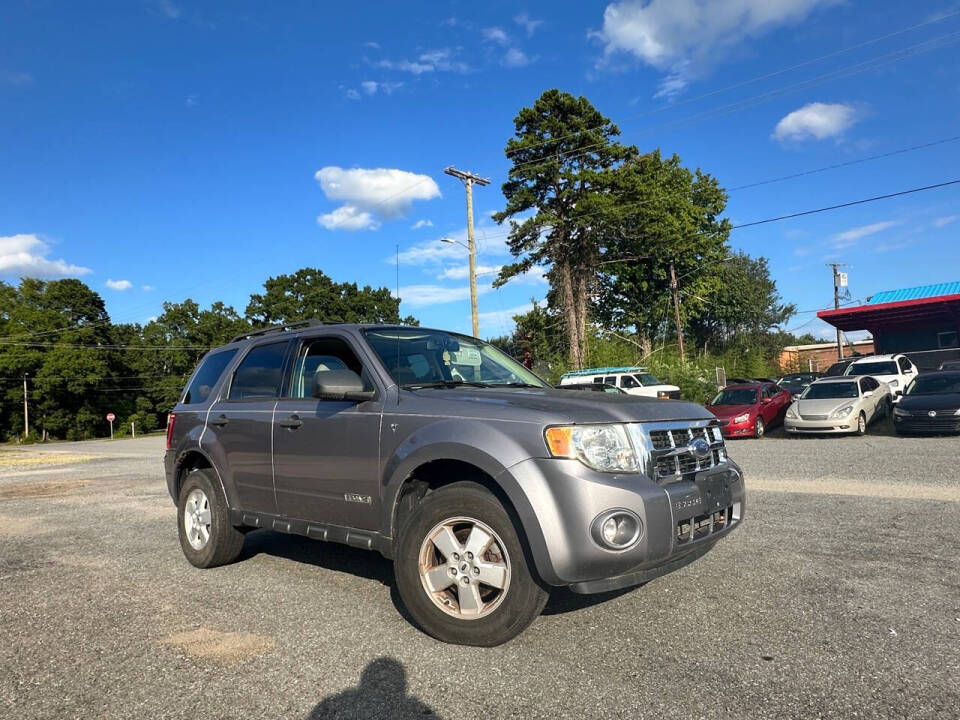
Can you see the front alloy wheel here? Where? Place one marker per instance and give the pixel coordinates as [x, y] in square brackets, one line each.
[758, 427]
[464, 568]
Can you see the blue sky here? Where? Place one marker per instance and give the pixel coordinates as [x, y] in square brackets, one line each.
[161, 149]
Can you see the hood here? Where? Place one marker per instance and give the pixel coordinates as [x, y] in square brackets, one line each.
[548, 405]
[823, 407]
[946, 401]
[729, 411]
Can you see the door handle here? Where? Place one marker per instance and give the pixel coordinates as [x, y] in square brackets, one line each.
[220, 421]
[292, 422]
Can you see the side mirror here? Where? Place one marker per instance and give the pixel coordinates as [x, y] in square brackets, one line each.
[765, 401]
[868, 393]
[340, 385]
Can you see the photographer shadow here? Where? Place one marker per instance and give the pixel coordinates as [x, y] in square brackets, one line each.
[381, 693]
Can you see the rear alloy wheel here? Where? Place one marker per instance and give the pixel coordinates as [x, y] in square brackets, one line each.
[462, 569]
[861, 423]
[758, 427]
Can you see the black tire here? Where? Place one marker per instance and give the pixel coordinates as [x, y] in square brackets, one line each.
[224, 541]
[523, 599]
[759, 428]
[861, 423]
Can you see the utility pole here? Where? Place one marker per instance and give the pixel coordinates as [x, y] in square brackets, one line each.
[468, 179]
[837, 276]
[26, 410]
[674, 288]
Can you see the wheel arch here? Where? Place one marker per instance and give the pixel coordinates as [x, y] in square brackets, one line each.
[195, 459]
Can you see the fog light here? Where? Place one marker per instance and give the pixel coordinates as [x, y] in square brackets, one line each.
[617, 529]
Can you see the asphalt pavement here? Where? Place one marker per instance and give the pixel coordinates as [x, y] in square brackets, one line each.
[838, 598]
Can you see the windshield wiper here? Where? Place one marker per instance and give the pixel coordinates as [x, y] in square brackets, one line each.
[515, 384]
[441, 384]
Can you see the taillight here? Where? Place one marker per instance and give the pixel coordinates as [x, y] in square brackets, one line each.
[171, 421]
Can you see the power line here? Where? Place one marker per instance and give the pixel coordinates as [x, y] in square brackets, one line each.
[836, 166]
[845, 205]
[758, 78]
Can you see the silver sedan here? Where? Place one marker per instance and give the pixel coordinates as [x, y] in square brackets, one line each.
[838, 405]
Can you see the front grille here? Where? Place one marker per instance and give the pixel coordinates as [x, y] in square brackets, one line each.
[670, 452]
[813, 417]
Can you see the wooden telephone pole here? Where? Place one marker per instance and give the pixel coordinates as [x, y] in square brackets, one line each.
[674, 289]
[836, 300]
[26, 410]
[468, 179]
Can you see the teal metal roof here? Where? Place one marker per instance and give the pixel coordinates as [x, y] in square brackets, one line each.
[604, 371]
[915, 293]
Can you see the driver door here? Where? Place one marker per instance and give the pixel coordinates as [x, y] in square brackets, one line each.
[327, 452]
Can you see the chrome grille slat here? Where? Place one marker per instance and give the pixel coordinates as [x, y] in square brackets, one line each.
[664, 444]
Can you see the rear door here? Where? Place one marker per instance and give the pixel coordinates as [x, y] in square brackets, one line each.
[241, 423]
[327, 452]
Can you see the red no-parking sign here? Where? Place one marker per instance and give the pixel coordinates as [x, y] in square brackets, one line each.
[111, 417]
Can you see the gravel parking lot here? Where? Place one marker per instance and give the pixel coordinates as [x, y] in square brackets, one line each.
[840, 597]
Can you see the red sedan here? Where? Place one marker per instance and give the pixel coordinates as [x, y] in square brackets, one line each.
[748, 410]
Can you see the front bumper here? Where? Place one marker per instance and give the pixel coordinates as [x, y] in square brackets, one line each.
[817, 427]
[733, 430]
[927, 425]
[562, 498]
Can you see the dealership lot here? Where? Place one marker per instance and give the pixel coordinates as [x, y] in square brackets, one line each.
[839, 597]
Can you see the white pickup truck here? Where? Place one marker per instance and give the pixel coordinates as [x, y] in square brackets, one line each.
[632, 380]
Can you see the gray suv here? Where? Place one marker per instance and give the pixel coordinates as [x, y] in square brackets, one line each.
[486, 486]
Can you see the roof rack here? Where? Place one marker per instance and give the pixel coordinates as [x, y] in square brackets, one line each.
[278, 329]
[605, 371]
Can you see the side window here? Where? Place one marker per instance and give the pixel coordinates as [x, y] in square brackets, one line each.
[207, 376]
[864, 385]
[598, 381]
[319, 355]
[610, 380]
[628, 381]
[904, 364]
[260, 373]
[769, 391]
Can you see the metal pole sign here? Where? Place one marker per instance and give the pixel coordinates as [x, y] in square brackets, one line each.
[110, 418]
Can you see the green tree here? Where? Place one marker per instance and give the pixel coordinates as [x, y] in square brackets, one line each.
[309, 293]
[663, 214]
[562, 153]
[742, 306]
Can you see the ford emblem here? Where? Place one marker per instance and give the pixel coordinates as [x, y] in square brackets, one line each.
[932, 413]
[700, 448]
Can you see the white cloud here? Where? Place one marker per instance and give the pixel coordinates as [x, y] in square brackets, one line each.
[495, 34]
[369, 87]
[462, 272]
[435, 252]
[193, 100]
[416, 296]
[944, 221]
[817, 121]
[425, 222]
[514, 58]
[372, 44]
[148, 288]
[120, 285]
[497, 322]
[371, 195]
[441, 60]
[25, 255]
[352, 94]
[527, 23]
[851, 236]
[168, 8]
[9, 77]
[686, 37]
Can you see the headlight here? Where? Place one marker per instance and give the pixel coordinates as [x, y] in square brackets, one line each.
[602, 447]
[842, 412]
[741, 418]
[663, 394]
[904, 413]
[792, 412]
[893, 383]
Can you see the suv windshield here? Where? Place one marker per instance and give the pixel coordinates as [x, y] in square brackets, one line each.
[935, 384]
[830, 391]
[736, 396]
[646, 379]
[434, 358]
[887, 367]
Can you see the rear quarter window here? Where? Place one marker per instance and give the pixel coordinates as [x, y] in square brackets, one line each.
[207, 376]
